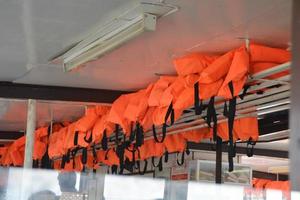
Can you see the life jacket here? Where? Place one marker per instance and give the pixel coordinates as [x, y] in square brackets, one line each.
[164, 112]
[56, 164]
[57, 142]
[175, 143]
[102, 127]
[278, 185]
[244, 129]
[16, 152]
[85, 123]
[150, 148]
[197, 135]
[138, 105]
[116, 114]
[40, 143]
[191, 66]
[147, 121]
[261, 53]
[237, 74]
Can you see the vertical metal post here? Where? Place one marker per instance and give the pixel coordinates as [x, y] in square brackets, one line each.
[30, 129]
[294, 147]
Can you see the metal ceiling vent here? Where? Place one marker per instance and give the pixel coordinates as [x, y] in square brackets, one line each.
[115, 33]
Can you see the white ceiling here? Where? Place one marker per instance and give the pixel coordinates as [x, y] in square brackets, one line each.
[32, 31]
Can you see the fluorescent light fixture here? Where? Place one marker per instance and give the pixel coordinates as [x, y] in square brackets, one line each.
[108, 38]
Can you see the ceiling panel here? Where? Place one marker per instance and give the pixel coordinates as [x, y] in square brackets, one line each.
[211, 26]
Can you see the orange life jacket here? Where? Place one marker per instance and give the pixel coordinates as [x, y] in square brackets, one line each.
[197, 135]
[244, 129]
[150, 148]
[260, 53]
[116, 114]
[87, 121]
[175, 143]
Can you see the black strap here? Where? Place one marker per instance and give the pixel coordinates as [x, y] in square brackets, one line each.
[159, 165]
[68, 156]
[246, 88]
[128, 165]
[84, 156]
[139, 135]
[95, 158]
[35, 163]
[145, 167]
[90, 139]
[250, 150]
[169, 114]
[198, 107]
[231, 116]
[73, 155]
[46, 162]
[155, 134]
[212, 116]
[104, 141]
[166, 156]
[225, 111]
[63, 162]
[132, 133]
[76, 138]
[218, 177]
[114, 169]
[117, 131]
[120, 153]
[182, 159]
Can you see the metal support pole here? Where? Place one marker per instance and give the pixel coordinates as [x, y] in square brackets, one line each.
[295, 100]
[30, 129]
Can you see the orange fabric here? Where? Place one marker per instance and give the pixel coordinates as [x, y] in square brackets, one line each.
[243, 129]
[278, 185]
[175, 143]
[56, 143]
[158, 89]
[193, 63]
[138, 104]
[40, 143]
[197, 135]
[260, 183]
[151, 149]
[116, 114]
[39, 150]
[102, 110]
[237, 73]
[260, 53]
[206, 91]
[100, 126]
[69, 137]
[190, 66]
[217, 70]
[87, 121]
[57, 164]
[147, 121]
[90, 162]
